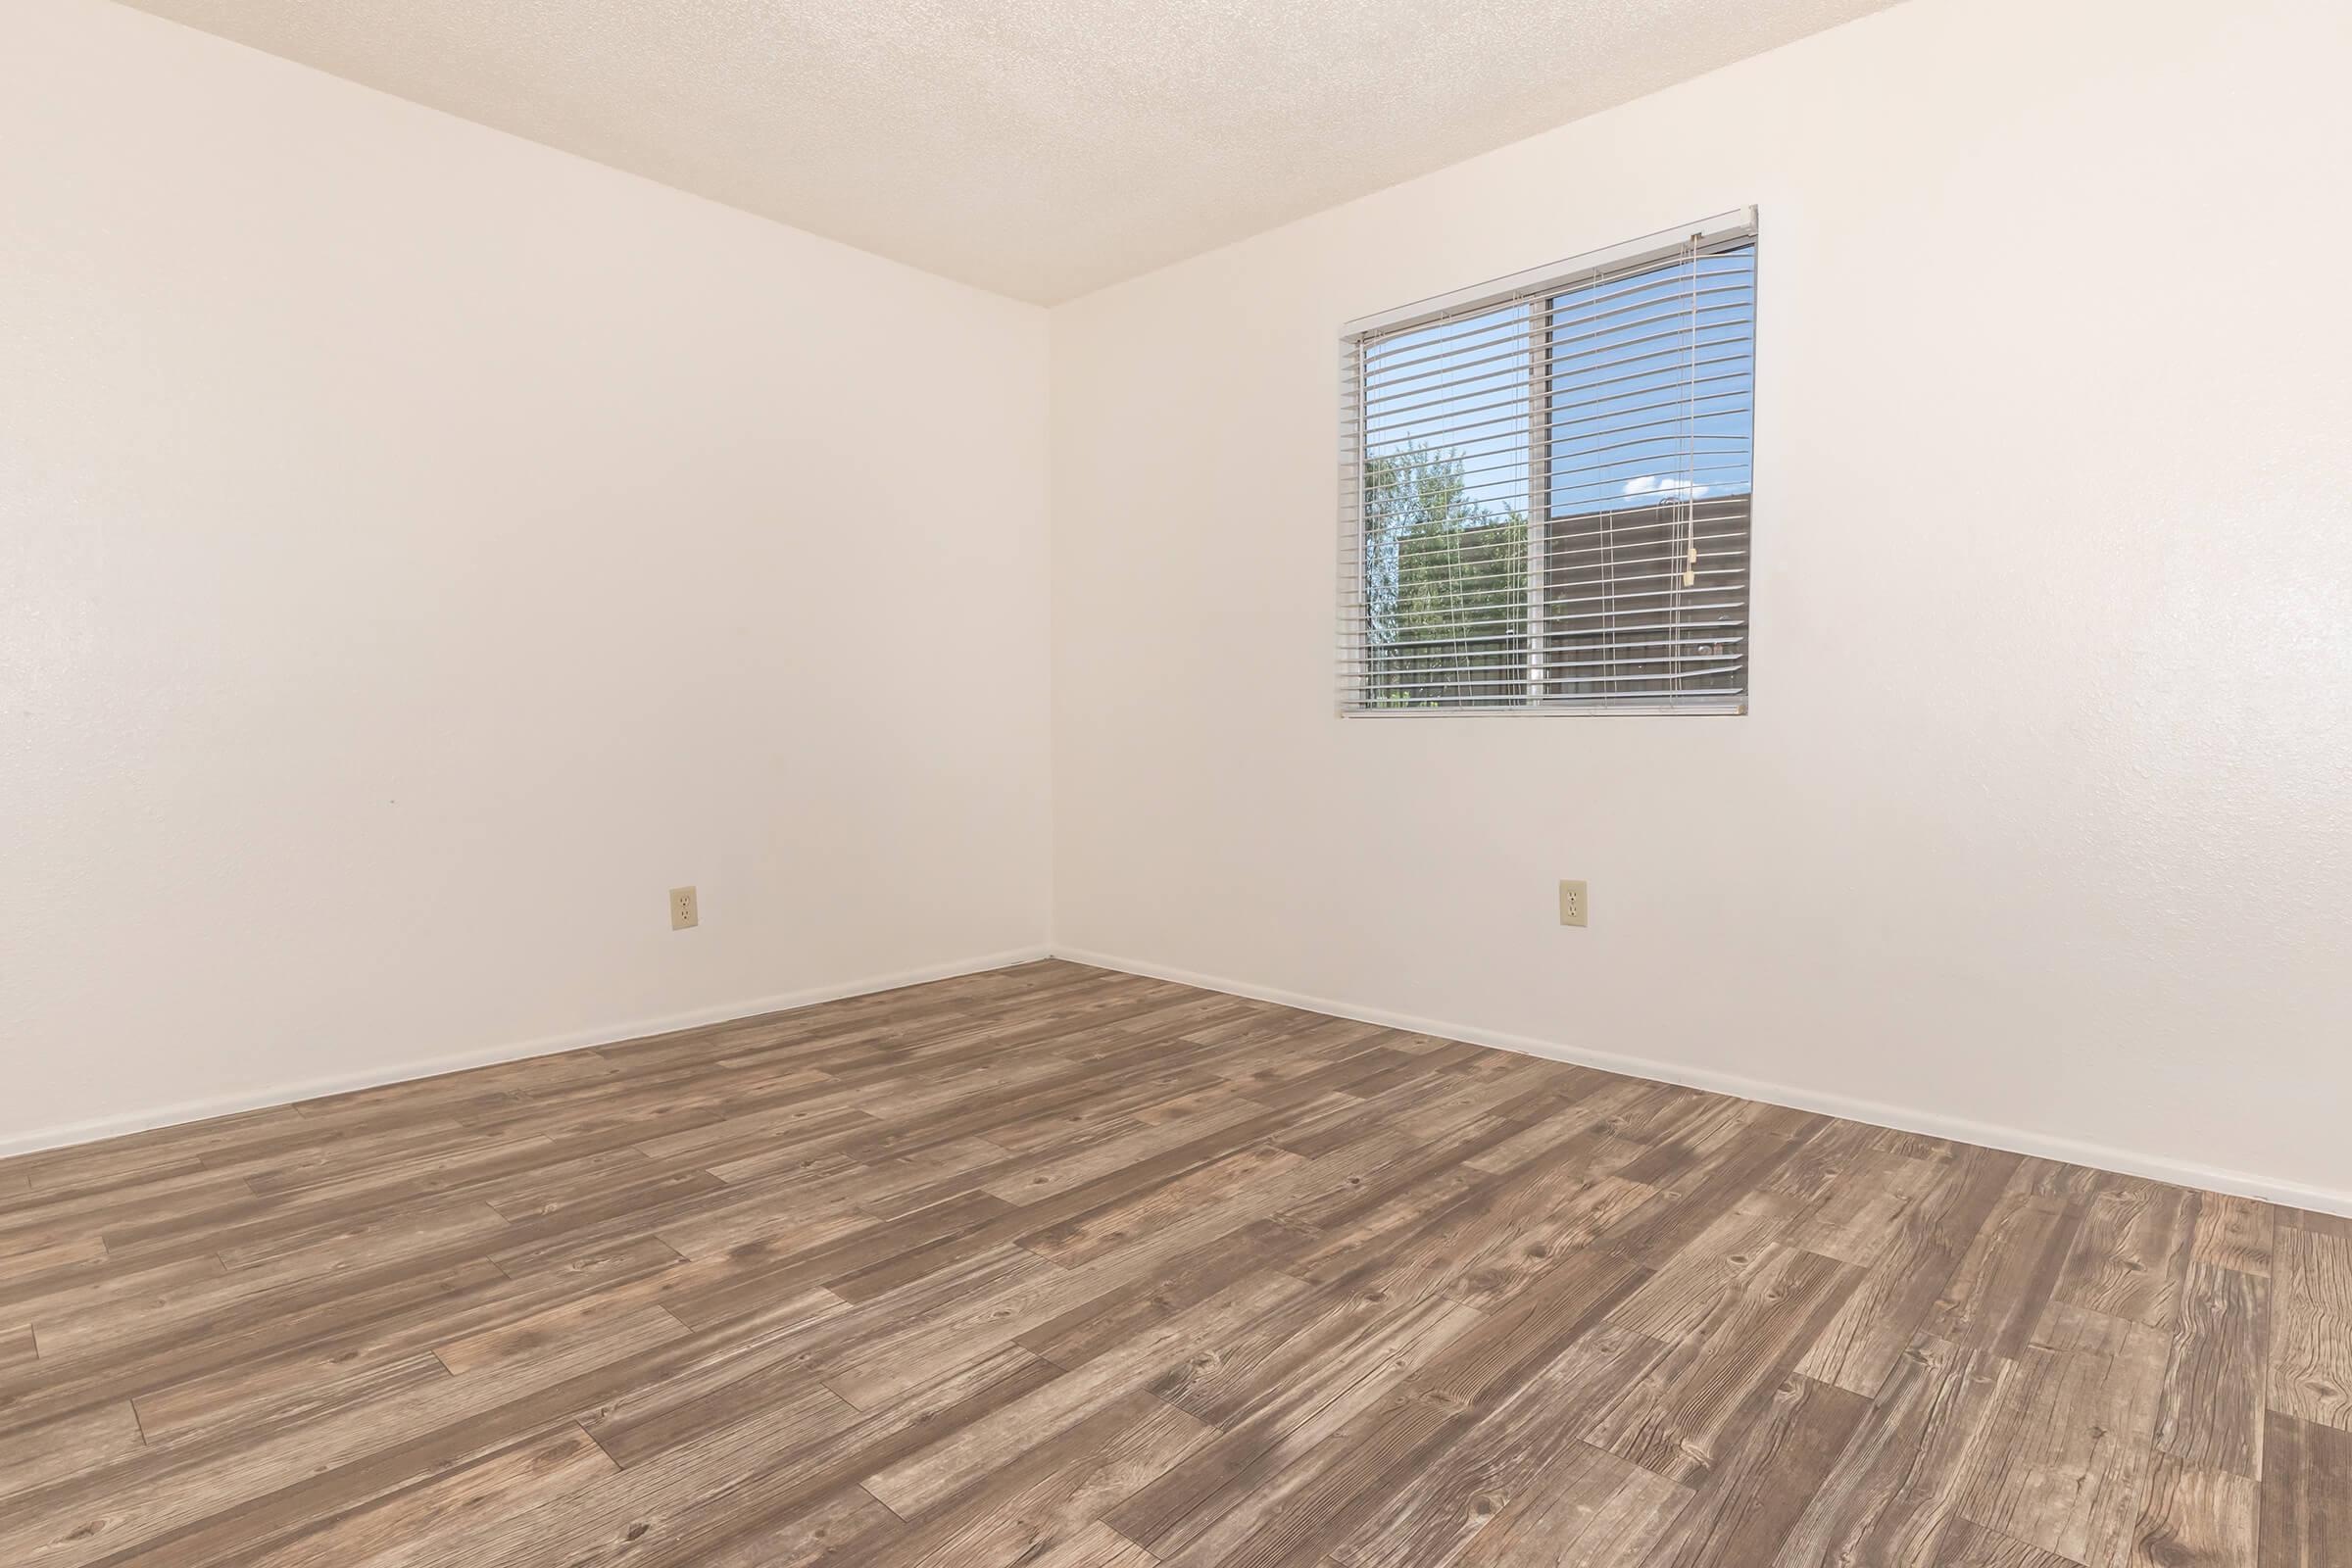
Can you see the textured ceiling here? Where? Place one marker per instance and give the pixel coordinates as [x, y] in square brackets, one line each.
[1038, 147]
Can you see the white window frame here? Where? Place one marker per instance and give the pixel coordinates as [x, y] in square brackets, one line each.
[1532, 284]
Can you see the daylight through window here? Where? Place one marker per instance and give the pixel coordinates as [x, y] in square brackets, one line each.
[1546, 486]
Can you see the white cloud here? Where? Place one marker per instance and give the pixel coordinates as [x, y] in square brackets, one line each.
[1662, 484]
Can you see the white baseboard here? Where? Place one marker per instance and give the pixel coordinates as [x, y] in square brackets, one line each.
[2100, 1157]
[188, 1110]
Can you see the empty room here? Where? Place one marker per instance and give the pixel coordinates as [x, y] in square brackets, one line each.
[1109, 783]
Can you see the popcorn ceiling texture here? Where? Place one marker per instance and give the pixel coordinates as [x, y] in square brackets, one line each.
[1041, 148]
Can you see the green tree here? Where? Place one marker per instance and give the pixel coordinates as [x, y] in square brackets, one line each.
[1445, 583]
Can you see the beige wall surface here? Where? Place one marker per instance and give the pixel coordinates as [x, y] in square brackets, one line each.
[420, 550]
[2040, 829]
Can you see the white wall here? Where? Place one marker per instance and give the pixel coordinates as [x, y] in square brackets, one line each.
[419, 549]
[2041, 820]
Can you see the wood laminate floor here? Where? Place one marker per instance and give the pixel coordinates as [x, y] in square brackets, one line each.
[1070, 1269]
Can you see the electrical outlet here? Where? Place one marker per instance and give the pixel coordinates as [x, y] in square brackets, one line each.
[1573, 904]
[684, 909]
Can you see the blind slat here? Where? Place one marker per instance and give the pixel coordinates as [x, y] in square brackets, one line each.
[1612, 589]
[1389, 377]
[1720, 546]
[1619, 678]
[1678, 382]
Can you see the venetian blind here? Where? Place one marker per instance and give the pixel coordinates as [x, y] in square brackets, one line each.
[1547, 486]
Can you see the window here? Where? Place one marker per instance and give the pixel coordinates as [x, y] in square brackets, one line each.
[1546, 487]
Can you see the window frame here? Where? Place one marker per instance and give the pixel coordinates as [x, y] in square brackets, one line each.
[1533, 285]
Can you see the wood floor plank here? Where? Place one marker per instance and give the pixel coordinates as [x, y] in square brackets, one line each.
[2069, 1448]
[1692, 1412]
[214, 1299]
[32, 1260]
[2210, 1415]
[918, 1484]
[2306, 1519]
[518, 1478]
[2310, 1327]
[1097, 1545]
[116, 1286]
[1862, 1207]
[1712, 1272]
[1109, 1319]
[773, 1463]
[2234, 1233]
[1971, 1546]
[2195, 1518]
[1893, 1497]
[1145, 1171]
[283, 1392]
[50, 1216]
[2009, 1273]
[1749, 1504]
[2132, 1250]
[1702, 1188]
[1278, 1402]
[34, 1457]
[1305, 1509]
[224, 1497]
[743, 1483]
[374, 1316]
[1531, 1329]
[1107, 1227]
[1589, 1510]
[1906, 1282]
[1062, 1268]
[1528, 1444]
[1043, 1496]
